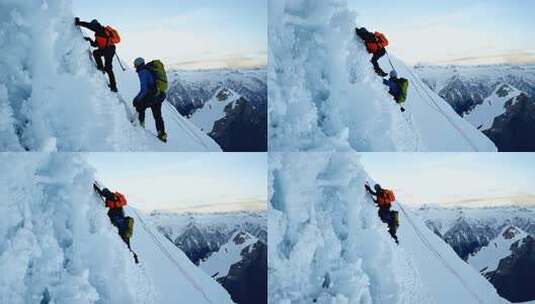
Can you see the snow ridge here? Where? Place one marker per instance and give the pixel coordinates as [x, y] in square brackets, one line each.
[324, 94]
[53, 99]
[327, 244]
[487, 258]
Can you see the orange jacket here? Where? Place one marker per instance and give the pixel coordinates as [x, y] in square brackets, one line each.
[380, 43]
[111, 38]
[118, 202]
[385, 198]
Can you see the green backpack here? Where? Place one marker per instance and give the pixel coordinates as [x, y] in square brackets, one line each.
[129, 229]
[157, 69]
[395, 218]
[404, 85]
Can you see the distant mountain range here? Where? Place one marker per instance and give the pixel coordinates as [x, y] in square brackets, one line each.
[497, 241]
[228, 105]
[231, 247]
[497, 99]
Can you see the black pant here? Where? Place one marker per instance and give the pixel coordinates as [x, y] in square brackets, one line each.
[376, 66]
[155, 104]
[107, 53]
[386, 217]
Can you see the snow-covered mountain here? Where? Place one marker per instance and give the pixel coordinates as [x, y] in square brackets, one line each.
[482, 115]
[218, 264]
[514, 275]
[508, 262]
[497, 99]
[52, 98]
[324, 94]
[464, 87]
[190, 90]
[230, 247]
[469, 229]
[486, 259]
[57, 244]
[327, 244]
[232, 122]
[201, 234]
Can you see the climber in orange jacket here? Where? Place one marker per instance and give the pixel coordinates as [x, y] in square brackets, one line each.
[375, 44]
[384, 199]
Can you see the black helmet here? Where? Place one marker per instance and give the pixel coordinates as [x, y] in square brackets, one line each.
[107, 193]
[377, 187]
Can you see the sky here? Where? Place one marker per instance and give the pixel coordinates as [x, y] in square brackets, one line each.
[453, 31]
[187, 34]
[205, 182]
[462, 179]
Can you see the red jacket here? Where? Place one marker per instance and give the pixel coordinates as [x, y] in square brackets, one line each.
[380, 43]
[118, 202]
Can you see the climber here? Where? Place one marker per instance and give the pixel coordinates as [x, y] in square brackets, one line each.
[105, 40]
[397, 87]
[384, 199]
[153, 84]
[375, 44]
[115, 201]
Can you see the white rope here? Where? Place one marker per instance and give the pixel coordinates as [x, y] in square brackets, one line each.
[438, 109]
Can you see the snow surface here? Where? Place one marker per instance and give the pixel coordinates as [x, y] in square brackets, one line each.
[57, 244]
[213, 110]
[218, 264]
[324, 94]
[327, 244]
[487, 258]
[53, 99]
[483, 115]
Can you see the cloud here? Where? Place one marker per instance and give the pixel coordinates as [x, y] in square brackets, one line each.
[513, 57]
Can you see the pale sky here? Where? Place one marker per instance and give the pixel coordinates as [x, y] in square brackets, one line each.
[468, 179]
[186, 181]
[453, 31]
[187, 34]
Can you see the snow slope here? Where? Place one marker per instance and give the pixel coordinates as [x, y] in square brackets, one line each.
[53, 99]
[483, 115]
[487, 258]
[214, 109]
[57, 244]
[218, 264]
[327, 244]
[176, 278]
[324, 94]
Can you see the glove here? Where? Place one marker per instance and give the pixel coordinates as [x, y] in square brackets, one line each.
[402, 109]
[76, 21]
[367, 187]
[87, 39]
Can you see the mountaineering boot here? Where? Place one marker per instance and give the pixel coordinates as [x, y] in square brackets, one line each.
[113, 88]
[142, 123]
[162, 136]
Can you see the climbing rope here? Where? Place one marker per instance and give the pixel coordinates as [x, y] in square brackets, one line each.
[427, 244]
[171, 258]
[435, 106]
